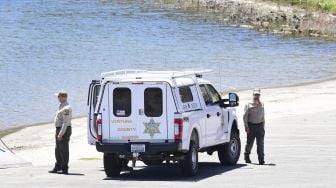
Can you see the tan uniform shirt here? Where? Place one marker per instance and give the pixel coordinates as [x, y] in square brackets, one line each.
[63, 117]
[254, 113]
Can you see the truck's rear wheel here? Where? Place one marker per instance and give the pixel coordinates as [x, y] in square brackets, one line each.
[190, 164]
[229, 153]
[112, 165]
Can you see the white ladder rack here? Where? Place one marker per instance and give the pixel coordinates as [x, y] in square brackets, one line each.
[122, 72]
[169, 74]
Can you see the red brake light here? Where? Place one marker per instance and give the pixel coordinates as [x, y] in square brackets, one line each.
[99, 128]
[178, 122]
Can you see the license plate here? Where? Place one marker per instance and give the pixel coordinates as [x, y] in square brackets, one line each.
[138, 148]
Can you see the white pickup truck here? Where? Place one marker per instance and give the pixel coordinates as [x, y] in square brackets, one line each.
[161, 117]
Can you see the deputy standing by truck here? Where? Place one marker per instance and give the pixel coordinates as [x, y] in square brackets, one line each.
[254, 121]
[63, 133]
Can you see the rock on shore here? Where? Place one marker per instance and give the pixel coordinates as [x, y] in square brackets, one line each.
[273, 17]
[268, 16]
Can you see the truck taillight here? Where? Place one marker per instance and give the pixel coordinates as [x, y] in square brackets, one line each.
[99, 128]
[178, 128]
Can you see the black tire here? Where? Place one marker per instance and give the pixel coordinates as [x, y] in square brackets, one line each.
[112, 165]
[152, 162]
[229, 153]
[189, 165]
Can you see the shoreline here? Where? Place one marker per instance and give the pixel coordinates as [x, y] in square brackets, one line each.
[14, 129]
[276, 18]
[267, 16]
[292, 107]
[11, 130]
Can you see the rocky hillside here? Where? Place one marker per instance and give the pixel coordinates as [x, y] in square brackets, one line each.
[271, 17]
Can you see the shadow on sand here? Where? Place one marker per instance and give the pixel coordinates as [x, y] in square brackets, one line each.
[266, 164]
[74, 174]
[173, 173]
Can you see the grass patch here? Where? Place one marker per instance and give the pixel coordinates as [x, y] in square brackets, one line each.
[321, 5]
[89, 158]
[9, 131]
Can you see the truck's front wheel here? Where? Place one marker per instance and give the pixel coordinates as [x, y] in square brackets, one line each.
[229, 153]
[112, 165]
[190, 164]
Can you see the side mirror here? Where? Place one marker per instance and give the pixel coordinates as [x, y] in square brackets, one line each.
[233, 100]
[223, 103]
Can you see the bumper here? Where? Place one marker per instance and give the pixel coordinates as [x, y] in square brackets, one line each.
[151, 148]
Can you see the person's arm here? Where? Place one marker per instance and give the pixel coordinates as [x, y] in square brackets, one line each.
[263, 114]
[66, 121]
[245, 117]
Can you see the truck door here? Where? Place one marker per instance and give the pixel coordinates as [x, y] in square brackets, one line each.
[152, 113]
[92, 99]
[224, 125]
[138, 112]
[213, 114]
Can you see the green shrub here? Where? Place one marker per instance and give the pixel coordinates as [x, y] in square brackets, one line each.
[323, 5]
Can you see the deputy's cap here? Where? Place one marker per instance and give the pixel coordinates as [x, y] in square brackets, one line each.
[256, 91]
[61, 93]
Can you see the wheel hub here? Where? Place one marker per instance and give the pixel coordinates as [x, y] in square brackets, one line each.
[233, 147]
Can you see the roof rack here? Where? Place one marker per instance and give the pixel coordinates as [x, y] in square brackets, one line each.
[193, 74]
[121, 72]
[197, 73]
[173, 74]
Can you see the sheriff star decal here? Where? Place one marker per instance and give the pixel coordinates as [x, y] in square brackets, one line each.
[152, 127]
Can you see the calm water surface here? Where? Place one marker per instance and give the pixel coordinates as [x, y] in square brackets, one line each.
[50, 45]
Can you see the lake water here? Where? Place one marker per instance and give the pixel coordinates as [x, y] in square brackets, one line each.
[50, 45]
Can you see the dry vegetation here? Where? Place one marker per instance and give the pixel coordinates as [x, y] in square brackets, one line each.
[322, 5]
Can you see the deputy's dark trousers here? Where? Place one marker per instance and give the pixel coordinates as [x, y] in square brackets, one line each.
[62, 149]
[257, 131]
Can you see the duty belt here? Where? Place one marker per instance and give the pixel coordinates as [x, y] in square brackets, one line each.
[61, 127]
[256, 124]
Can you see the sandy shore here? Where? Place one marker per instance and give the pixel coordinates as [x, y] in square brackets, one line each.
[36, 143]
[300, 150]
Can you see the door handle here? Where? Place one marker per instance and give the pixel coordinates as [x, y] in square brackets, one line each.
[218, 113]
[208, 115]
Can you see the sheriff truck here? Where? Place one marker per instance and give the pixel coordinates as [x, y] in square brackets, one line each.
[161, 117]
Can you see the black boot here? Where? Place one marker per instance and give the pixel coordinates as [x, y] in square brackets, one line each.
[64, 171]
[261, 162]
[124, 166]
[247, 158]
[55, 170]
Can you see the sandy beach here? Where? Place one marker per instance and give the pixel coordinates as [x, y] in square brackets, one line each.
[300, 148]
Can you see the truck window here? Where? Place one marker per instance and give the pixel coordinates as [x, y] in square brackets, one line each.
[214, 96]
[185, 94]
[95, 95]
[153, 102]
[205, 95]
[122, 102]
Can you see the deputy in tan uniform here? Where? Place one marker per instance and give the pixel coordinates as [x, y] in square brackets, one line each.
[254, 121]
[63, 132]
